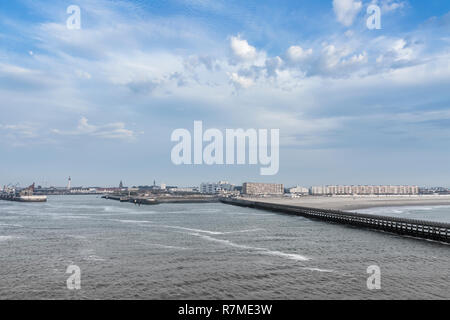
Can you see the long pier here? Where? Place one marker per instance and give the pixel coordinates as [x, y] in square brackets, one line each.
[415, 228]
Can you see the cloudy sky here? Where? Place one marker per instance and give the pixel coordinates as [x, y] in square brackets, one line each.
[353, 105]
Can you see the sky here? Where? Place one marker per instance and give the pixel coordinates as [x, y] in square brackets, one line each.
[353, 105]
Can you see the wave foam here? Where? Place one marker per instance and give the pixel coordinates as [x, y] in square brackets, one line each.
[8, 238]
[11, 225]
[215, 233]
[132, 221]
[195, 230]
[319, 270]
[290, 256]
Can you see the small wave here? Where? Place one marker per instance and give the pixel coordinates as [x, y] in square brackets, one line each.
[166, 246]
[132, 221]
[8, 238]
[90, 255]
[424, 208]
[319, 270]
[290, 256]
[243, 231]
[94, 258]
[195, 230]
[11, 225]
[249, 214]
[216, 233]
[75, 217]
[117, 209]
[77, 237]
[222, 241]
[207, 210]
[144, 213]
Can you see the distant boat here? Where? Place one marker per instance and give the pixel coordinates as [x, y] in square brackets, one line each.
[25, 195]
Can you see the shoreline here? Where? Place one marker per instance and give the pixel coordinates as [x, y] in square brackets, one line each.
[357, 203]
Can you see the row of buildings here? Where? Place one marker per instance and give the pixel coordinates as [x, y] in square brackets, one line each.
[250, 188]
[216, 188]
[364, 190]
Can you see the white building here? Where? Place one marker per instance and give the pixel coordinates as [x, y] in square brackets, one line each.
[299, 190]
[215, 188]
[250, 188]
[183, 189]
[225, 186]
[209, 188]
[364, 190]
[319, 190]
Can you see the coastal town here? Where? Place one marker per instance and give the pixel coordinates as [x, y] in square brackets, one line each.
[334, 204]
[329, 196]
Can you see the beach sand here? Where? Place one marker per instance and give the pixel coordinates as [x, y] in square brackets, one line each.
[348, 203]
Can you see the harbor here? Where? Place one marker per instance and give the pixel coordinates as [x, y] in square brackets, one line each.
[25, 195]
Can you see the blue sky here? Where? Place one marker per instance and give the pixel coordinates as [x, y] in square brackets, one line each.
[353, 105]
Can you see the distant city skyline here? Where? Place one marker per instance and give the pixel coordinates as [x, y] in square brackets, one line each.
[122, 184]
[354, 105]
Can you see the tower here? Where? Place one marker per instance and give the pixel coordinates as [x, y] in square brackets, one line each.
[69, 184]
[121, 185]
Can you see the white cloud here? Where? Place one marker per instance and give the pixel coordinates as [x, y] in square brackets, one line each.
[23, 134]
[402, 50]
[391, 5]
[109, 131]
[355, 59]
[240, 81]
[83, 74]
[273, 65]
[346, 10]
[22, 130]
[195, 61]
[242, 50]
[245, 54]
[395, 53]
[188, 76]
[297, 53]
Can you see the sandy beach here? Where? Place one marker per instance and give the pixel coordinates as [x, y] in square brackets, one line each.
[348, 203]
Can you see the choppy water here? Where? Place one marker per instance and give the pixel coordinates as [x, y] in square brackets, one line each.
[207, 251]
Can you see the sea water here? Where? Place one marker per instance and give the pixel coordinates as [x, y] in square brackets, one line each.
[209, 251]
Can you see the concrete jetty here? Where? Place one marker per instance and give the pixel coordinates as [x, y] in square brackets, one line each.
[408, 227]
[142, 200]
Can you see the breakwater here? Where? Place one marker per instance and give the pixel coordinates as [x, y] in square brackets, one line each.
[160, 200]
[409, 227]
